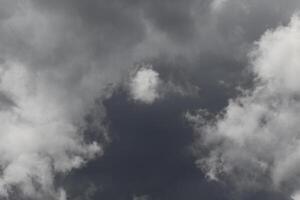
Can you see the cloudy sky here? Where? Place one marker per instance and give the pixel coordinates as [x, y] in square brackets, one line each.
[150, 99]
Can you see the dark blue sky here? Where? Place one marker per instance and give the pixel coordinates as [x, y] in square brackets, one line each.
[150, 152]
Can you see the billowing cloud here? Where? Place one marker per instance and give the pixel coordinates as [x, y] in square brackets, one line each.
[255, 142]
[38, 137]
[49, 83]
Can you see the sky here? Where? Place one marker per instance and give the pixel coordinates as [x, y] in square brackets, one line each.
[149, 100]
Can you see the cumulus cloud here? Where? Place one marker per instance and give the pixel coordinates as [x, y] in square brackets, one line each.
[48, 85]
[38, 136]
[254, 142]
[144, 85]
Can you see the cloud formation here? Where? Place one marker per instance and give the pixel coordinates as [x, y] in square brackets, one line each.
[38, 136]
[49, 83]
[254, 142]
[58, 56]
[144, 85]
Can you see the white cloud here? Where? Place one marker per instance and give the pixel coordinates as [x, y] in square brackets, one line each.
[144, 85]
[38, 136]
[296, 196]
[256, 140]
[44, 96]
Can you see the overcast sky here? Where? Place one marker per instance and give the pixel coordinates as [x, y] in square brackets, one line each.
[150, 99]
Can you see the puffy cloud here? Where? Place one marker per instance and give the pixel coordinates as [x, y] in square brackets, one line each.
[38, 136]
[255, 142]
[47, 88]
[144, 85]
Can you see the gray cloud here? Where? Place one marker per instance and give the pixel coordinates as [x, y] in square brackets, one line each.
[57, 57]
